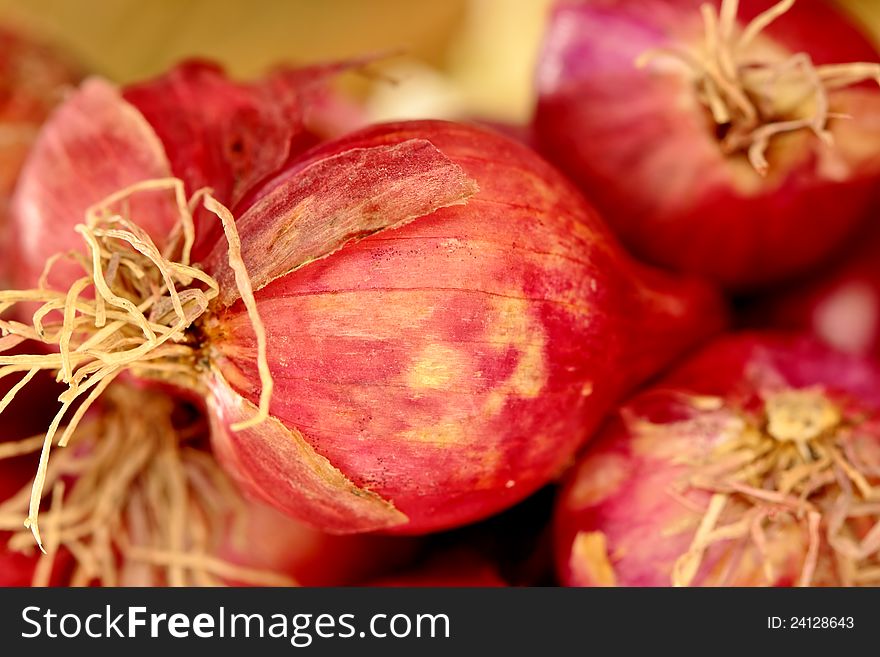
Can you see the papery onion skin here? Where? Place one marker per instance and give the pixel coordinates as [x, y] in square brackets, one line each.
[33, 79]
[193, 123]
[617, 521]
[451, 366]
[228, 135]
[644, 148]
[97, 132]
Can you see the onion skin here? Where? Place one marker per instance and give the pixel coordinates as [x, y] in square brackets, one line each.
[94, 131]
[228, 135]
[643, 147]
[456, 344]
[33, 79]
[451, 366]
[192, 123]
[616, 522]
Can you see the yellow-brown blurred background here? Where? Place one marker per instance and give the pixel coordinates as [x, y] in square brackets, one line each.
[465, 56]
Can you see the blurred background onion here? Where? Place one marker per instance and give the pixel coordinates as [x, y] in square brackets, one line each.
[462, 57]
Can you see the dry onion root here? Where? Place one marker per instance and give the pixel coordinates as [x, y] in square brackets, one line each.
[143, 504]
[768, 450]
[801, 466]
[138, 490]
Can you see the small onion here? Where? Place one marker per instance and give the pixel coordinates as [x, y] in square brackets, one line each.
[709, 145]
[756, 462]
[449, 367]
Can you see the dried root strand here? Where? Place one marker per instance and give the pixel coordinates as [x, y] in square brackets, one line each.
[802, 466]
[686, 567]
[243, 282]
[130, 311]
[744, 94]
[140, 507]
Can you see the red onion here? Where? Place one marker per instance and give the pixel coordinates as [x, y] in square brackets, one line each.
[455, 345]
[839, 304]
[713, 154]
[33, 79]
[443, 317]
[755, 462]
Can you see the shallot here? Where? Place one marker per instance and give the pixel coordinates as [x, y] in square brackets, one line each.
[727, 138]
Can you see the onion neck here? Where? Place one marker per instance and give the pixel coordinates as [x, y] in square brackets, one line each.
[800, 463]
[751, 98]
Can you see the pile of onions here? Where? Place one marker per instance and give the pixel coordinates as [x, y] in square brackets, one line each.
[756, 462]
[709, 134]
[405, 329]
[33, 79]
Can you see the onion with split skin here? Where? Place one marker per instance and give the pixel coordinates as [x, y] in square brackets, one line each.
[448, 367]
[406, 329]
[710, 134]
[754, 463]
